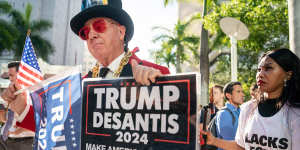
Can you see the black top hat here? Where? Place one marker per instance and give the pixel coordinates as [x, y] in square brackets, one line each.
[103, 8]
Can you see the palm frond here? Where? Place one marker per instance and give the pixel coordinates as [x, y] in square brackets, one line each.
[161, 28]
[192, 39]
[17, 18]
[161, 37]
[5, 7]
[27, 13]
[8, 34]
[42, 47]
[40, 26]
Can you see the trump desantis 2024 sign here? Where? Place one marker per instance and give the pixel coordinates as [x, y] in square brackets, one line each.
[120, 114]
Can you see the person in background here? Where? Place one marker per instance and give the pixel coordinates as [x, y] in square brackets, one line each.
[216, 98]
[254, 92]
[18, 138]
[107, 30]
[273, 120]
[227, 118]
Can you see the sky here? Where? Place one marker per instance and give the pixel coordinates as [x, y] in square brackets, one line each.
[147, 14]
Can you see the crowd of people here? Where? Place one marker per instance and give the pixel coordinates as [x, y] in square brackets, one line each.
[270, 120]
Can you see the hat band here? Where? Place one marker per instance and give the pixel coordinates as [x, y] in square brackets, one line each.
[90, 3]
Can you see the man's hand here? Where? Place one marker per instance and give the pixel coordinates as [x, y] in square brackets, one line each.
[18, 130]
[210, 138]
[2, 116]
[142, 74]
[19, 104]
[8, 94]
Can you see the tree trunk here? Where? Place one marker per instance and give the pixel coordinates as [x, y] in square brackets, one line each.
[294, 25]
[204, 64]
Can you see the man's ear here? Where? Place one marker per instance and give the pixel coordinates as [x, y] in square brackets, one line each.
[122, 32]
[228, 95]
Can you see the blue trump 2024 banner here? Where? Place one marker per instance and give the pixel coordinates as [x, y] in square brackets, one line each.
[57, 114]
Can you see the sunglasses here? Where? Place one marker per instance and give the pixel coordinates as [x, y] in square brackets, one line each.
[99, 25]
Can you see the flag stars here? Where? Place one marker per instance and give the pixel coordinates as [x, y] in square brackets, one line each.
[73, 132]
[74, 144]
[29, 57]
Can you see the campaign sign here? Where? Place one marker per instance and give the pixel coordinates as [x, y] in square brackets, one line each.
[57, 114]
[123, 115]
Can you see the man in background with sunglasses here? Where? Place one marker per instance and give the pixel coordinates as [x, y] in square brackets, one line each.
[107, 29]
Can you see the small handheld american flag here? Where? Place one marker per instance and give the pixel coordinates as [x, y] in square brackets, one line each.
[29, 71]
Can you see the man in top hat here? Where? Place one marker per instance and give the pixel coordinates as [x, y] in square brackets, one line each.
[107, 29]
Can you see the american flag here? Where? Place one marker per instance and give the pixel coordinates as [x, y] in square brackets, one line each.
[29, 71]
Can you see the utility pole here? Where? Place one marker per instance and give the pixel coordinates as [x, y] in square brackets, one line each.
[294, 25]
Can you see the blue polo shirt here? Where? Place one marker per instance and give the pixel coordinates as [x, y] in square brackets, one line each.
[225, 129]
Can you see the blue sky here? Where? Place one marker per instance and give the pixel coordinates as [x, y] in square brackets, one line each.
[146, 14]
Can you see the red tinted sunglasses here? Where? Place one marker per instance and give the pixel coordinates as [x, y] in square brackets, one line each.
[98, 25]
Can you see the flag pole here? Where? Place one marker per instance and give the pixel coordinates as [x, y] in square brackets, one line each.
[28, 32]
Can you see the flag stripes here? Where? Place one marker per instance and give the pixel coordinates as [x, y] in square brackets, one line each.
[29, 72]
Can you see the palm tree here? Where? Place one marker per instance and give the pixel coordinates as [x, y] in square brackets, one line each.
[23, 22]
[206, 45]
[164, 55]
[7, 31]
[174, 43]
